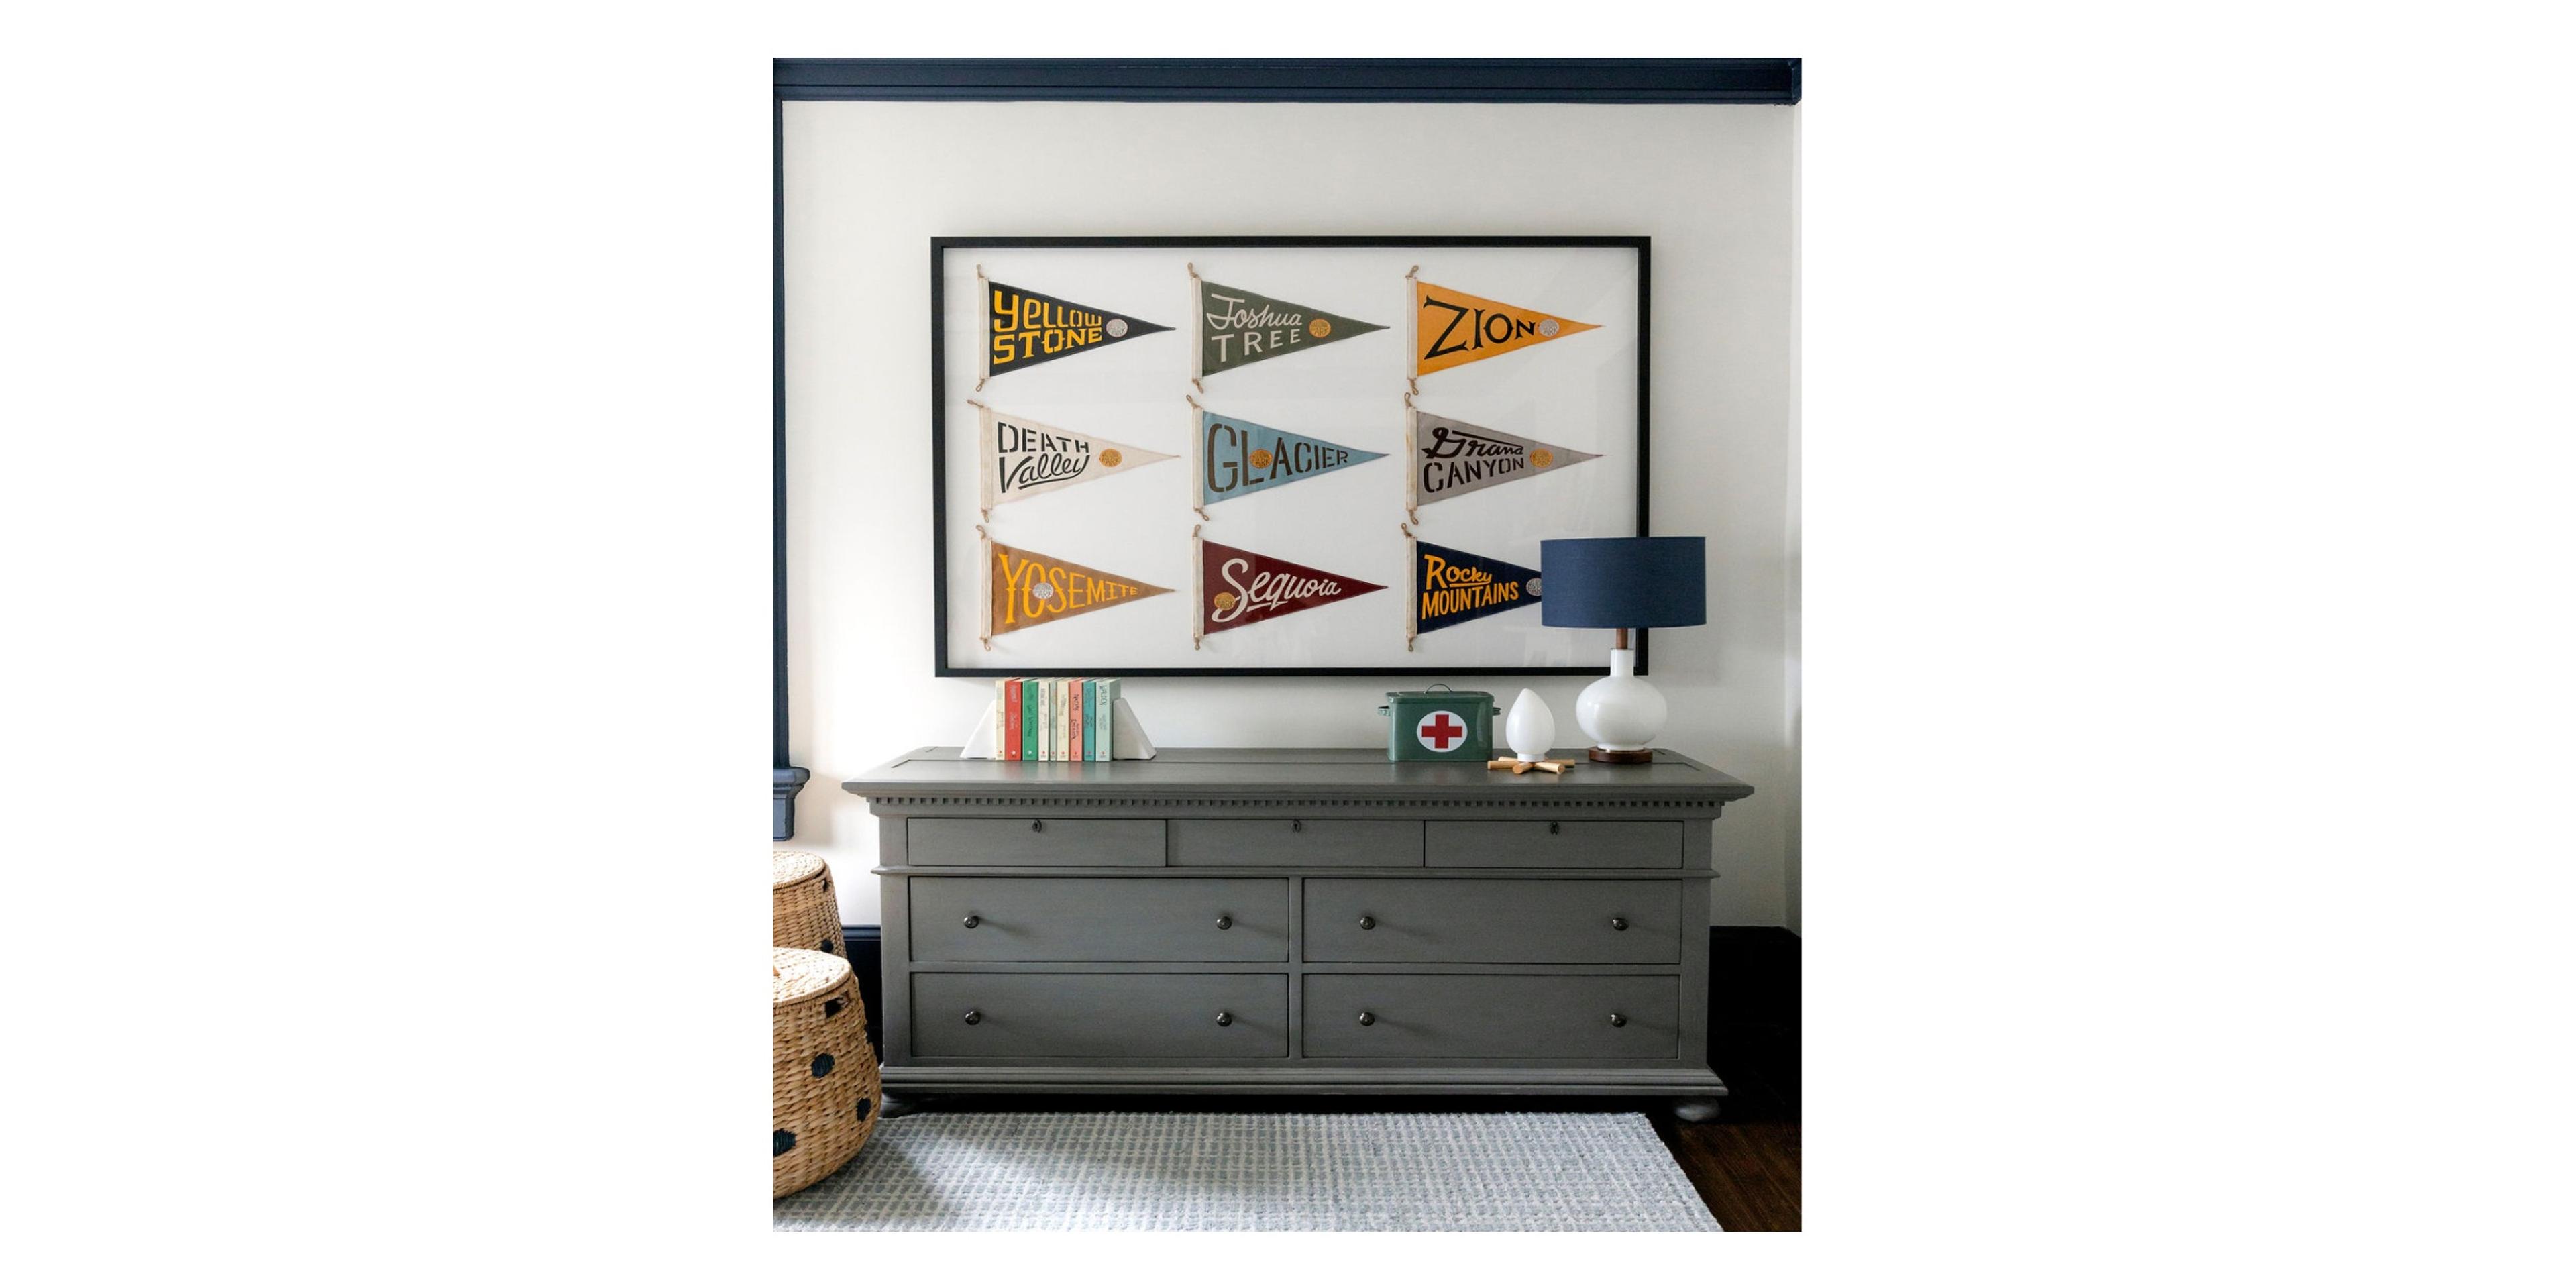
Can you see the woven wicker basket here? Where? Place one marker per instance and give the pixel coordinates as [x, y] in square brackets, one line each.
[822, 1077]
[802, 911]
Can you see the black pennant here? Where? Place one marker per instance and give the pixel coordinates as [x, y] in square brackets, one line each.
[1028, 328]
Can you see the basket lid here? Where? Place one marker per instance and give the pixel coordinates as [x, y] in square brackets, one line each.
[787, 867]
[800, 973]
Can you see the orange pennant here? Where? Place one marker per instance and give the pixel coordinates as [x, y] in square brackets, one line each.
[1453, 328]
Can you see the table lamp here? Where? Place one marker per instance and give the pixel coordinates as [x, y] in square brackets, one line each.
[1623, 583]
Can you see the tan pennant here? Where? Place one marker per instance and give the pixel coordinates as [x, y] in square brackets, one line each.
[1446, 457]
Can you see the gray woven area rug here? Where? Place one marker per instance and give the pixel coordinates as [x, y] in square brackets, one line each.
[1187, 1171]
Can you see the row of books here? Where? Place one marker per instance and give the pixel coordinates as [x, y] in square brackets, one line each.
[1053, 719]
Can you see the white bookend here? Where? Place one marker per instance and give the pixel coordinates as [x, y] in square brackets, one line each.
[1127, 740]
[979, 744]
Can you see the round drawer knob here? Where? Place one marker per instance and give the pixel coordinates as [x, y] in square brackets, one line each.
[1298, 826]
[1618, 1021]
[1224, 1018]
[974, 1017]
[1551, 829]
[1037, 825]
[971, 921]
[1367, 1019]
[1618, 923]
[1368, 923]
[1225, 923]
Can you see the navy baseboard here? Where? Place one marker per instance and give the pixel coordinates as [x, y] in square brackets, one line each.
[1752, 1005]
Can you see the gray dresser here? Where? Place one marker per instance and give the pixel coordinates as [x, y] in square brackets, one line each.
[1218, 920]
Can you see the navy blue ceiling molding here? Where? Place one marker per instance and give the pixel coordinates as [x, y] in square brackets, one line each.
[1180, 80]
[1297, 80]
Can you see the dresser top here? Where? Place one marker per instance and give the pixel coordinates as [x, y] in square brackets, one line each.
[1292, 773]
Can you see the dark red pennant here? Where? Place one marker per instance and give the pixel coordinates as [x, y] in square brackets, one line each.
[1241, 588]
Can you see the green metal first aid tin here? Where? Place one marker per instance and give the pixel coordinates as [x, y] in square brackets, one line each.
[1439, 724]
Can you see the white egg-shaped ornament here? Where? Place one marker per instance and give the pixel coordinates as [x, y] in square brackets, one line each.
[1530, 729]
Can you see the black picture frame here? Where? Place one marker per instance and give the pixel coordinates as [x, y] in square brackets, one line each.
[1778, 81]
[943, 667]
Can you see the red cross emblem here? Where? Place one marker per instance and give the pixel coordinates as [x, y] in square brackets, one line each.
[1440, 731]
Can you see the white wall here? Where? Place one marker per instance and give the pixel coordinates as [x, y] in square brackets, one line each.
[868, 186]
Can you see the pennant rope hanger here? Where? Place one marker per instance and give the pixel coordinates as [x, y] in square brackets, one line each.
[988, 586]
[1412, 472]
[984, 484]
[1198, 591]
[983, 293]
[1198, 350]
[1198, 449]
[1413, 601]
[1411, 386]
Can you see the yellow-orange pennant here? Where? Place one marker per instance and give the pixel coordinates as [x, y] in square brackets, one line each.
[1027, 588]
[1453, 328]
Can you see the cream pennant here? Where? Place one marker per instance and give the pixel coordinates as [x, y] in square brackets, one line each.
[1022, 458]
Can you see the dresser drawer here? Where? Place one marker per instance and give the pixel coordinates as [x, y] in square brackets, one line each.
[1554, 845]
[1035, 842]
[1284, 842]
[1529, 1016]
[1421, 919]
[1225, 1016]
[1099, 919]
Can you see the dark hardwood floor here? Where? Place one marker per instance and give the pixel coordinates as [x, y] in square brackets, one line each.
[1744, 1164]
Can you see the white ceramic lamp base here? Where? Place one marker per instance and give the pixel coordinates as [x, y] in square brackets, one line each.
[1621, 713]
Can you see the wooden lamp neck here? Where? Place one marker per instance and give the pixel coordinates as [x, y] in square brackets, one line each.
[1619, 637]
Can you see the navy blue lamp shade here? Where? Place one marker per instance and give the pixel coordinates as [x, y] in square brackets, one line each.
[1624, 581]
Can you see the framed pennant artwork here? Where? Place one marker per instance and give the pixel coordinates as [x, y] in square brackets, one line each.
[1277, 455]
